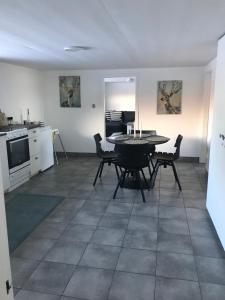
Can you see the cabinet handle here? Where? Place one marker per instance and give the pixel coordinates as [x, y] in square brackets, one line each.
[36, 157]
[35, 140]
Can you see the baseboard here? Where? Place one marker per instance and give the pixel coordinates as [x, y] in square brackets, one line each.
[87, 154]
[76, 154]
[189, 159]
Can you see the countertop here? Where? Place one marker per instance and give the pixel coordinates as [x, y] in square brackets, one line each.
[17, 126]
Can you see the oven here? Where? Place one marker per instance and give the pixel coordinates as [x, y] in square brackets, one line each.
[18, 153]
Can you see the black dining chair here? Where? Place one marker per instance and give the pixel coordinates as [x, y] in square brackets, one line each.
[108, 157]
[167, 159]
[132, 159]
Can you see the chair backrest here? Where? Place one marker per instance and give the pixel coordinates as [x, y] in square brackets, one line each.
[98, 139]
[177, 146]
[133, 156]
[150, 132]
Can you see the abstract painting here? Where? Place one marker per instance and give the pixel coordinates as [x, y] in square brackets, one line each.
[169, 97]
[69, 90]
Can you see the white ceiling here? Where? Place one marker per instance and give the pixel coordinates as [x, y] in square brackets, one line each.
[123, 33]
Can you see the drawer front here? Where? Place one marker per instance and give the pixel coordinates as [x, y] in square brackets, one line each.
[33, 132]
[35, 164]
[34, 145]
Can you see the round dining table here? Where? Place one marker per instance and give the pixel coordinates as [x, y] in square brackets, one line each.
[130, 140]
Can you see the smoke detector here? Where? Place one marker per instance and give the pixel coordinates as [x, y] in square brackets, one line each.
[76, 48]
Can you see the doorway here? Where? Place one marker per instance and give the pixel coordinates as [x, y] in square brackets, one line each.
[120, 106]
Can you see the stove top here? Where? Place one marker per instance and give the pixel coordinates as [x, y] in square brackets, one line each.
[14, 133]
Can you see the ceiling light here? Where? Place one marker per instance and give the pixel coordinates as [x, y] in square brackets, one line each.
[76, 48]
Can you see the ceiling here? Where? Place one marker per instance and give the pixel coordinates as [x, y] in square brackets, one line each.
[122, 33]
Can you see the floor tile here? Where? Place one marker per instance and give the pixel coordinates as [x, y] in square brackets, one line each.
[166, 212]
[71, 204]
[100, 256]
[146, 210]
[202, 228]
[50, 278]
[79, 194]
[137, 261]
[49, 230]
[140, 240]
[69, 298]
[108, 236]
[114, 221]
[167, 193]
[34, 248]
[143, 223]
[211, 269]
[172, 289]
[168, 242]
[195, 203]
[89, 283]
[207, 246]
[96, 206]
[66, 252]
[28, 295]
[128, 286]
[174, 265]
[212, 291]
[171, 201]
[173, 226]
[87, 218]
[60, 216]
[21, 270]
[197, 214]
[78, 232]
[119, 208]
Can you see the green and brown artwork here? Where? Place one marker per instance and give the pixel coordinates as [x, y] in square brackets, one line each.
[69, 91]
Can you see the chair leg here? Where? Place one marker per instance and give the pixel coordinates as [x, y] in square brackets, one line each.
[126, 172]
[140, 184]
[99, 169]
[119, 184]
[176, 176]
[154, 175]
[145, 180]
[117, 172]
[100, 174]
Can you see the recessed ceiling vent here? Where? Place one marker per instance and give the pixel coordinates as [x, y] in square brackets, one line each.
[76, 48]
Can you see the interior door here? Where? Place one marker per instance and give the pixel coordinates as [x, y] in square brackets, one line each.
[216, 192]
[5, 271]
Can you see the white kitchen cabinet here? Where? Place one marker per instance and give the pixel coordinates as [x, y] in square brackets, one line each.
[41, 149]
[4, 163]
[34, 147]
[46, 148]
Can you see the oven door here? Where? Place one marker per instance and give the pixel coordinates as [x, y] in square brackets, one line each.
[18, 153]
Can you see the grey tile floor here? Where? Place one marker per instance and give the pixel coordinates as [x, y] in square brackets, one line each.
[92, 247]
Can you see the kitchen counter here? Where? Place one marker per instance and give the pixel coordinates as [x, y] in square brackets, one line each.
[17, 126]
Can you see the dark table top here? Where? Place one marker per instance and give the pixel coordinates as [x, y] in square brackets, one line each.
[131, 140]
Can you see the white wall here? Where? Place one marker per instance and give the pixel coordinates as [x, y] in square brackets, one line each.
[120, 96]
[21, 88]
[78, 125]
[216, 191]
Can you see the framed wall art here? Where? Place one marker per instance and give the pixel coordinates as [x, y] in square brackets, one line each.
[169, 98]
[69, 91]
